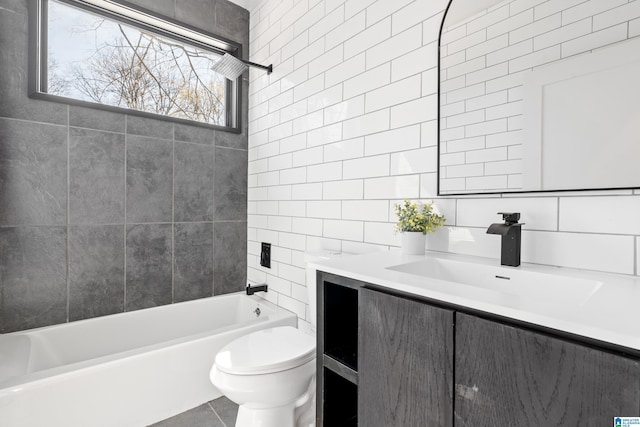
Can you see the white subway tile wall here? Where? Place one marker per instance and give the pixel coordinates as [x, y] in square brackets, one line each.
[345, 127]
[487, 58]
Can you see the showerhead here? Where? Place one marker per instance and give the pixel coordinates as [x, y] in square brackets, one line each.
[232, 67]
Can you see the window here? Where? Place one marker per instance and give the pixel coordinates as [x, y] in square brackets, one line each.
[104, 53]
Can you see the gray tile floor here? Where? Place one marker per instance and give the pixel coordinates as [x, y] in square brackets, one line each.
[218, 413]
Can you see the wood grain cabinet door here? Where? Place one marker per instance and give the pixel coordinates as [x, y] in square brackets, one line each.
[507, 376]
[405, 351]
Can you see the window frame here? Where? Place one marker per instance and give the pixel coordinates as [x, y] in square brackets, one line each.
[127, 13]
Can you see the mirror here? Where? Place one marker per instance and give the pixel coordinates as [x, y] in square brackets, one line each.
[539, 96]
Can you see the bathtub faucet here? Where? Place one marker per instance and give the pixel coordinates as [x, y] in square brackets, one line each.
[253, 289]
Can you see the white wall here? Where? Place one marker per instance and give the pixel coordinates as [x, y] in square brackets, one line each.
[346, 126]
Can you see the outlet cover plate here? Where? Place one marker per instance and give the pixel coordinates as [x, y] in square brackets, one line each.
[265, 255]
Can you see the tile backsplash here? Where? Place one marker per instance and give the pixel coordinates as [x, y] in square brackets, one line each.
[345, 127]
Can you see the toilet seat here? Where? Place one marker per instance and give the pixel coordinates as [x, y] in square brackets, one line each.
[266, 351]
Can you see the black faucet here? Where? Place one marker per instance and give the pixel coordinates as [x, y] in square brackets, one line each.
[510, 232]
[253, 289]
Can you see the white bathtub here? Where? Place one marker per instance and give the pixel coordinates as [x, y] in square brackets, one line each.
[128, 369]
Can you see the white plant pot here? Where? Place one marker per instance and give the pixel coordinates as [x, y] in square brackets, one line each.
[413, 242]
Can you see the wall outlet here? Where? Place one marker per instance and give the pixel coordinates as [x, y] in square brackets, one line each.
[265, 255]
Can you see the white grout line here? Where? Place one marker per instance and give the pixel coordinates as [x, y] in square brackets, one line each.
[124, 240]
[68, 228]
[213, 226]
[173, 202]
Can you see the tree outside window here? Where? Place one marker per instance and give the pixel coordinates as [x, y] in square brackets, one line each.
[97, 59]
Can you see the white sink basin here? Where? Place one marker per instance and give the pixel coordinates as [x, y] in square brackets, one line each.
[512, 281]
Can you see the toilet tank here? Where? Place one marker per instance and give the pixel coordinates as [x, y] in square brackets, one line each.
[310, 257]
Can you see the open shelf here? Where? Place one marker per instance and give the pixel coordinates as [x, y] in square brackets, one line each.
[340, 400]
[341, 324]
[340, 369]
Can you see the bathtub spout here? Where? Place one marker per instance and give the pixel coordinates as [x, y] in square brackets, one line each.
[253, 289]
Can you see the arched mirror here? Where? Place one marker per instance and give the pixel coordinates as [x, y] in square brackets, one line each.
[539, 95]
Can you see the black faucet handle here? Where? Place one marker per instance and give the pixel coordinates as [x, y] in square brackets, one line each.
[510, 217]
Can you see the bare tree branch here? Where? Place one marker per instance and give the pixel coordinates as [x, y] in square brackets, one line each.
[150, 73]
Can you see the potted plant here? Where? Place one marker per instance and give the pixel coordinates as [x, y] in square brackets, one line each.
[414, 222]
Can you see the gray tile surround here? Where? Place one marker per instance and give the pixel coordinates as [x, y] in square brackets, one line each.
[193, 182]
[96, 177]
[103, 212]
[231, 179]
[33, 173]
[96, 270]
[149, 179]
[201, 12]
[230, 252]
[198, 135]
[163, 7]
[227, 17]
[33, 272]
[89, 118]
[231, 140]
[193, 261]
[145, 126]
[14, 69]
[148, 264]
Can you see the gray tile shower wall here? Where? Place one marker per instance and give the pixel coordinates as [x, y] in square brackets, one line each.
[103, 212]
[96, 270]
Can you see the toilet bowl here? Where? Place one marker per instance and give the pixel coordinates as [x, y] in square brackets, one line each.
[265, 373]
[269, 373]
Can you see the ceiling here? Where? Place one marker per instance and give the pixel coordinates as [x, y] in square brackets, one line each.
[247, 4]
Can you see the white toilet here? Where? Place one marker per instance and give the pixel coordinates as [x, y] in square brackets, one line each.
[268, 372]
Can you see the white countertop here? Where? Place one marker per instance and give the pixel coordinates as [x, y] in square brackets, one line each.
[611, 314]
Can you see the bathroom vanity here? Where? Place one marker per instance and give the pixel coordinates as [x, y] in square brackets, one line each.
[406, 341]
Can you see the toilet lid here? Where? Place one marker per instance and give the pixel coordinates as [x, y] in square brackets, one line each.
[267, 351]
